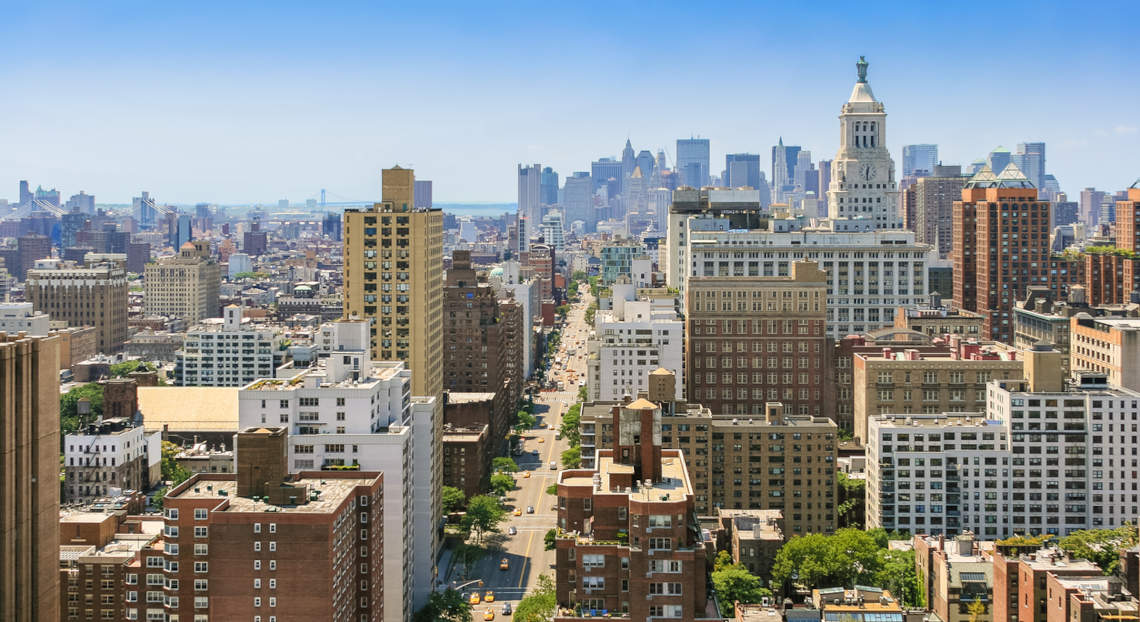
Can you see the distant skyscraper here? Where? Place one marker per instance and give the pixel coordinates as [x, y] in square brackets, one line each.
[628, 161]
[548, 187]
[919, 158]
[1030, 158]
[806, 179]
[999, 158]
[81, 202]
[25, 193]
[603, 170]
[863, 186]
[182, 231]
[530, 193]
[661, 164]
[422, 194]
[646, 162]
[823, 174]
[692, 151]
[1089, 210]
[742, 169]
[144, 210]
[783, 169]
[578, 199]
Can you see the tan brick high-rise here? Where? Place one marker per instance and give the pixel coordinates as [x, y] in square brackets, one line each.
[757, 339]
[92, 295]
[393, 275]
[29, 479]
[185, 286]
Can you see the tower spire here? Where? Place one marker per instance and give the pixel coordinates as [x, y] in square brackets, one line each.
[861, 67]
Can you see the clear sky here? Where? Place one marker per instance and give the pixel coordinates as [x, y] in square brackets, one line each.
[205, 101]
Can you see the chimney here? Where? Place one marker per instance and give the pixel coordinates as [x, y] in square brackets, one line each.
[774, 413]
[1077, 295]
[1042, 365]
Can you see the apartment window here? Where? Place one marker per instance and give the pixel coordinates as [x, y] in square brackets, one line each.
[257, 564]
[256, 601]
[200, 549]
[200, 532]
[273, 564]
[201, 513]
[257, 528]
[201, 585]
[201, 566]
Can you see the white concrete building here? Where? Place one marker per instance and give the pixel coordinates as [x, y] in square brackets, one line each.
[16, 317]
[630, 342]
[239, 263]
[107, 457]
[552, 230]
[352, 411]
[863, 185]
[227, 352]
[1037, 461]
[869, 274]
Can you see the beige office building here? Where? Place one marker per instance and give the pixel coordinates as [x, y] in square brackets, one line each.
[770, 461]
[91, 295]
[908, 381]
[185, 286]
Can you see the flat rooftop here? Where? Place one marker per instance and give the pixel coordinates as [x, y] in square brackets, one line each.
[186, 409]
[468, 398]
[332, 492]
[673, 484]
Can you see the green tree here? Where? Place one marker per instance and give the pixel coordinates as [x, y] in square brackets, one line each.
[569, 427]
[562, 310]
[734, 583]
[539, 605]
[723, 560]
[578, 276]
[552, 489]
[1100, 546]
[572, 458]
[69, 405]
[501, 483]
[852, 493]
[583, 394]
[848, 557]
[976, 608]
[444, 606]
[158, 497]
[504, 464]
[484, 513]
[468, 555]
[119, 370]
[452, 499]
[524, 421]
[897, 574]
[548, 538]
[172, 471]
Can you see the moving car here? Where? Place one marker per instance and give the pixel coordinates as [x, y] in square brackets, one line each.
[530, 509]
[512, 531]
[489, 614]
[475, 598]
[553, 466]
[507, 609]
[489, 597]
[518, 512]
[504, 564]
[526, 474]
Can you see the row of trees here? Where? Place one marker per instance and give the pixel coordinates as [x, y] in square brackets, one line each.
[848, 557]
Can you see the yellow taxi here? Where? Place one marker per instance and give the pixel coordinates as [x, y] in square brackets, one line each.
[474, 600]
[518, 512]
[541, 440]
[526, 474]
[489, 597]
[489, 614]
[504, 564]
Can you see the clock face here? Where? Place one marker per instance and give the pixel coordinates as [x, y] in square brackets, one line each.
[869, 172]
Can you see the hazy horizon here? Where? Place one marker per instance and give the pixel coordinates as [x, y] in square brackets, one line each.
[231, 104]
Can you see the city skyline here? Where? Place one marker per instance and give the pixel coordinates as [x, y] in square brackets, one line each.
[234, 106]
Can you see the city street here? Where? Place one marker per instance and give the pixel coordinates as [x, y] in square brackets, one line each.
[524, 552]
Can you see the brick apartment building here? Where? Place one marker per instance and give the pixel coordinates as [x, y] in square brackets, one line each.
[1001, 247]
[628, 540]
[757, 339]
[775, 461]
[261, 543]
[478, 350]
[103, 559]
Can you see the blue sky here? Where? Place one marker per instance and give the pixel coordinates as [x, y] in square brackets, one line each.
[222, 103]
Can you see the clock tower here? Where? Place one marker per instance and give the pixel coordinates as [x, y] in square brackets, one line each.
[863, 194]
